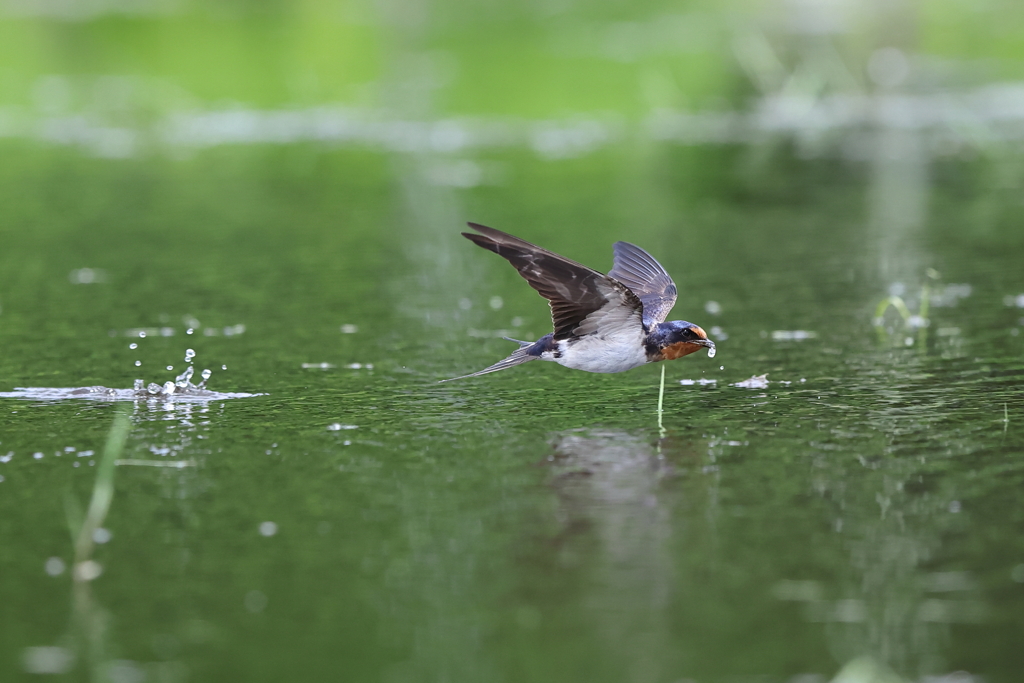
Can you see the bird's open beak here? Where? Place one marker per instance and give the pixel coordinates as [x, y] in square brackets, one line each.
[706, 342]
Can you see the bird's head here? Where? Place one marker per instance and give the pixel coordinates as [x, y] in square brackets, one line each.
[675, 339]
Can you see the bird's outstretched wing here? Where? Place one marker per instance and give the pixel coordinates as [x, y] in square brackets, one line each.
[638, 270]
[582, 300]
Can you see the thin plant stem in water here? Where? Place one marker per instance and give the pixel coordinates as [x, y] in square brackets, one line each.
[661, 403]
[919, 321]
[90, 622]
[103, 488]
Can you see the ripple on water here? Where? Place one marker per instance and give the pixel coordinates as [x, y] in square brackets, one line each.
[700, 382]
[755, 382]
[793, 335]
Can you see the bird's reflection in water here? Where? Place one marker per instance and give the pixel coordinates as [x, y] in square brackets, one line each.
[612, 492]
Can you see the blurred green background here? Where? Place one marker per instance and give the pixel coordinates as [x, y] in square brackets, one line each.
[132, 66]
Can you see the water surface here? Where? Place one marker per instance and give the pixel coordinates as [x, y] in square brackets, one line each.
[366, 523]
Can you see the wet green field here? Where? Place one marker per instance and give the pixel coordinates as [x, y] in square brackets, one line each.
[834, 497]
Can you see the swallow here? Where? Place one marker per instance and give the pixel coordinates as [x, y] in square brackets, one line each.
[603, 323]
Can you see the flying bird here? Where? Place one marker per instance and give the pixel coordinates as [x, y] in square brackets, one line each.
[603, 323]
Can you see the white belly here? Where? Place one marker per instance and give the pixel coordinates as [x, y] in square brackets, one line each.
[615, 353]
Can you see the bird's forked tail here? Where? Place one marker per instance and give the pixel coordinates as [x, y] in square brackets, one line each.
[517, 357]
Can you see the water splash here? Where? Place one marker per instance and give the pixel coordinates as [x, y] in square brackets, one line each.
[183, 380]
[180, 389]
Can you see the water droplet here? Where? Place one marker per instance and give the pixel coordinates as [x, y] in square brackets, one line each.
[189, 355]
[88, 570]
[711, 352]
[255, 601]
[206, 374]
[223, 367]
[168, 387]
[133, 346]
[153, 388]
[189, 331]
[140, 385]
[170, 367]
[37, 456]
[142, 335]
[268, 529]
[54, 566]
[48, 660]
[138, 363]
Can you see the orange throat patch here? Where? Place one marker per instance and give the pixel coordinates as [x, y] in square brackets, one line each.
[679, 349]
